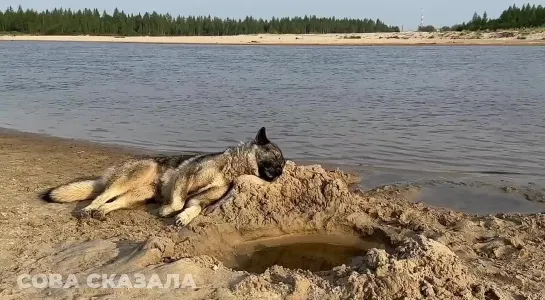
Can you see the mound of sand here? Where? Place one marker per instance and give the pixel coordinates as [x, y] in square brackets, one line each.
[398, 249]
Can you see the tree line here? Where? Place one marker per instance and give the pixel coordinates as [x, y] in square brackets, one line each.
[90, 21]
[511, 18]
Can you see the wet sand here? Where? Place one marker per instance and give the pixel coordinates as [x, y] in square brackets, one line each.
[423, 248]
[523, 37]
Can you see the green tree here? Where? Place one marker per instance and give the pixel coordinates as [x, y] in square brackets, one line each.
[427, 28]
[511, 18]
[90, 21]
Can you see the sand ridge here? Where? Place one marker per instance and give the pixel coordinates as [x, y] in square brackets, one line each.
[429, 253]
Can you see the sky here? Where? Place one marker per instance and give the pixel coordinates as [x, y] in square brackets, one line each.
[404, 13]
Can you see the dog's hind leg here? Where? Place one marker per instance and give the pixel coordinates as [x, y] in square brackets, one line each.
[126, 200]
[108, 194]
[140, 175]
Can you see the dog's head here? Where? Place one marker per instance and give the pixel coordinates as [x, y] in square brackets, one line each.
[269, 157]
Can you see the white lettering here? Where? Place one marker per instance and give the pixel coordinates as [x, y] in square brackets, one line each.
[140, 281]
[154, 281]
[90, 282]
[124, 281]
[20, 282]
[175, 279]
[55, 281]
[108, 281]
[43, 280]
[72, 281]
[188, 280]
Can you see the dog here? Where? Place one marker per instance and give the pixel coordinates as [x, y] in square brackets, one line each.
[184, 186]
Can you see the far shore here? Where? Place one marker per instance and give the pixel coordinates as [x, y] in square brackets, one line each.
[527, 38]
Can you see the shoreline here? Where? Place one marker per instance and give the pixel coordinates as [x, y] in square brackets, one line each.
[127, 150]
[507, 190]
[37, 137]
[140, 150]
[506, 38]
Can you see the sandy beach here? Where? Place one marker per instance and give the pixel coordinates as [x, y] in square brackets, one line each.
[386, 246]
[528, 37]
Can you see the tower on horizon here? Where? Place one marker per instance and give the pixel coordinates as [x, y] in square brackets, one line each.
[422, 18]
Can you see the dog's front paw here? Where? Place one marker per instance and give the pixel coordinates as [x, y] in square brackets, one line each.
[187, 215]
[98, 214]
[182, 220]
[83, 214]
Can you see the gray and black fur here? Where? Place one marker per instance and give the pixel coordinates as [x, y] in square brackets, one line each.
[210, 178]
[185, 185]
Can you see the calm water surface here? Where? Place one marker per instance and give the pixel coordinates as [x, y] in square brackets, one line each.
[444, 109]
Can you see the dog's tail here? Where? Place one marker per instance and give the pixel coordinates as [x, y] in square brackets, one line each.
[83, 189]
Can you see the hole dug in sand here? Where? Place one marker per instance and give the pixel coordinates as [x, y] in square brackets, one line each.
[308, 252]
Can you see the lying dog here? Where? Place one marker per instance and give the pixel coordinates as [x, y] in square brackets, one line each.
[186, 186]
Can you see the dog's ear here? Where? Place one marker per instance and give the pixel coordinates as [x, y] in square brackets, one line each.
[261, 137]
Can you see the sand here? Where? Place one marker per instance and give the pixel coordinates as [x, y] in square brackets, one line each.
[522, 37]
[398, 249]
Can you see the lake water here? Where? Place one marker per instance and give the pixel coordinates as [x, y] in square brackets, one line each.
[467, 110]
